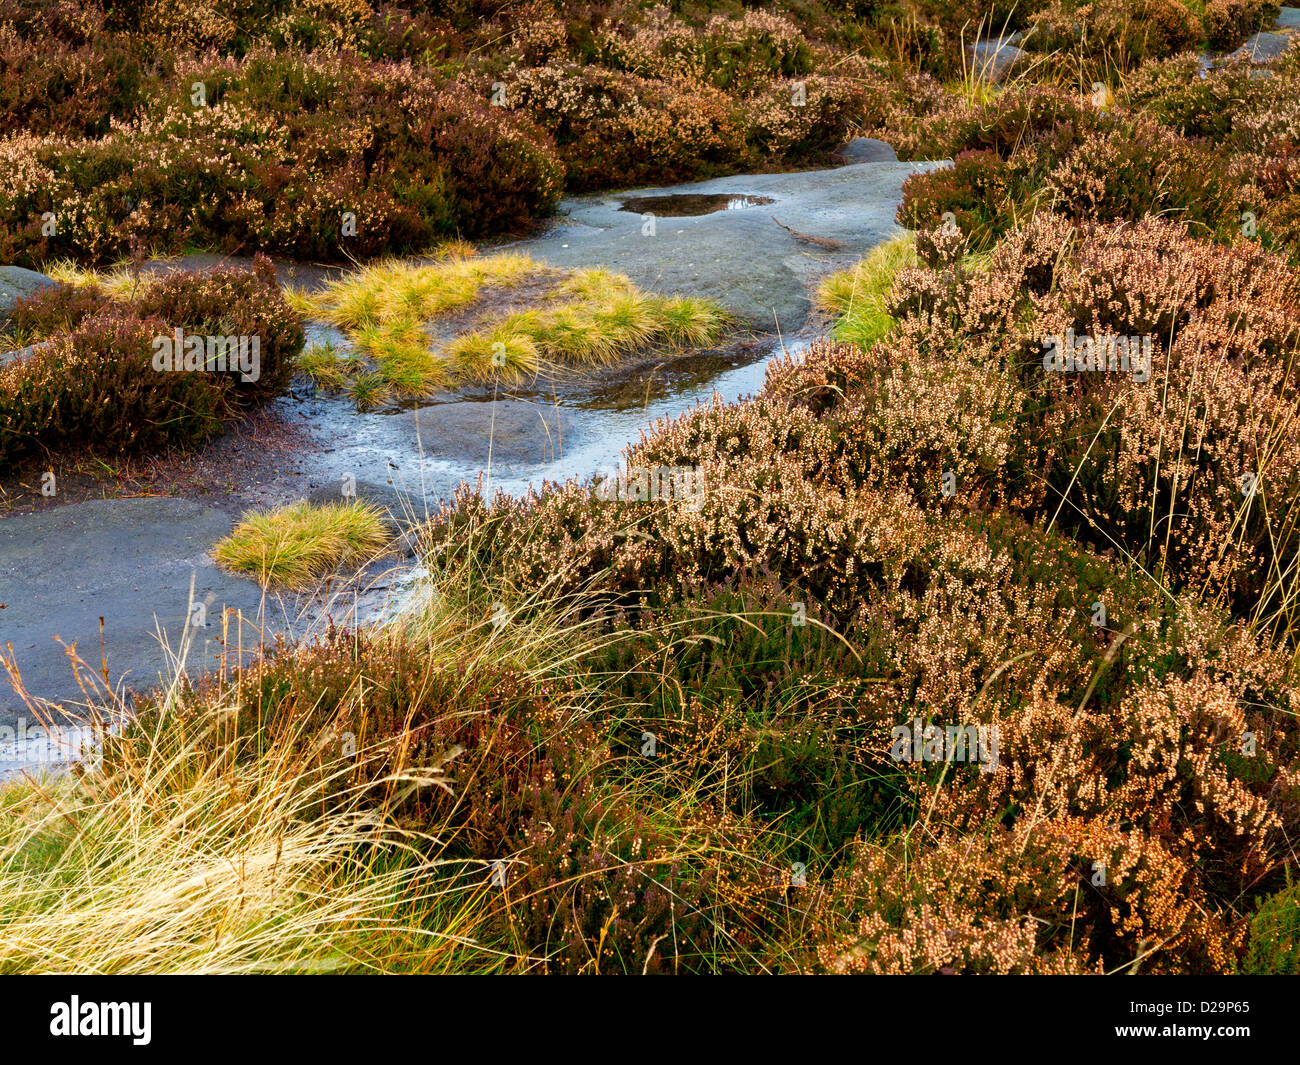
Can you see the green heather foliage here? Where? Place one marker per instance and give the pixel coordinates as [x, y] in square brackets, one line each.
[1275, 936]
[233, 302]
[974, 192]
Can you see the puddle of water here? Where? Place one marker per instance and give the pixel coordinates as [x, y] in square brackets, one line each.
[680, 205]
[384, 448]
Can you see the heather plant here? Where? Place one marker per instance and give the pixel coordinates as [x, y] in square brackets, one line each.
[1143, 169]
[297, 153]
[96, 381]
[53, 400]
[51, 87]
[619, 129]
[1110, 35]
[731, 54]
[974, 193]
[1229, 22]
[1017, 117]
[58, 309]
[233, 302]
[801, 121]
[1177, 94]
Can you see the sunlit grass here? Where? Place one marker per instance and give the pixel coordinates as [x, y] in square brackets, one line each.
[587, 332]
[396, 291]
[860, 295]
[118, 280]
[181, 861]
[592, 317]
[295, 545]
[326, 366]
[499, 354]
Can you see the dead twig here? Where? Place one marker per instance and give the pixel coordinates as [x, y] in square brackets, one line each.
[821, 242]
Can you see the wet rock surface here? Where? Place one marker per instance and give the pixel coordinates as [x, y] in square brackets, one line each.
[129, 561]
[1263, 47]
[740, 258]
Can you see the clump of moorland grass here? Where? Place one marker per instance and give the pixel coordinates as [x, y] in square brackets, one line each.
[121, 279]
[400, 291]
[326, 365]
[383, 308]
[295, 545]
[194, 839]
[592, 317]
[586, 874]
[860, 295]
[606, 322]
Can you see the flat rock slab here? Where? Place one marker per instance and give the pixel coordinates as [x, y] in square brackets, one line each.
[17, 282]
[740, 258]
[1263, 47]
[129, 561]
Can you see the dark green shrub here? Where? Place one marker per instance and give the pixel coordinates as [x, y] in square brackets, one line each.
[1275, 936]
[974, 190]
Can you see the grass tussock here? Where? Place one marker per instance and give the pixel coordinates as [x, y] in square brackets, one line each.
[119, 280]
[592, 317]
[182, 859]
[860, 296]
[295, 545]
[398, 291]
[593, 331]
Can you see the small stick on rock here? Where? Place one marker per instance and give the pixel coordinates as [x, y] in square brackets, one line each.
[821, 242]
